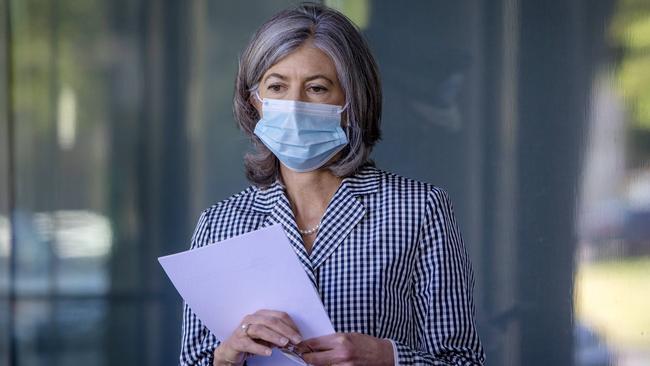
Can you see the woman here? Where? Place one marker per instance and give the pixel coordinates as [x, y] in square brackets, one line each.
[383, 251]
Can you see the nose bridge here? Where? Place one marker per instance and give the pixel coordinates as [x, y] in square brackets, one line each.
[296, 92]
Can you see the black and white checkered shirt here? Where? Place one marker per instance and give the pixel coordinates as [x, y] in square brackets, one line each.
[388, 261]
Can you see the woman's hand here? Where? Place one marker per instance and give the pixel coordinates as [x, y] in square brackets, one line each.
[258, 333]
[347, 349]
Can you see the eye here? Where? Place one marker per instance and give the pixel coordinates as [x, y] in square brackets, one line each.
[318, 89]
[276, 88]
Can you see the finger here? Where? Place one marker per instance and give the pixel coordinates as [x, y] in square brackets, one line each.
[262, 332]
[265, 343]
[323, 343]
[247, 345]
[275, 324]
[282, 316]
[228, 353]
[325, 357]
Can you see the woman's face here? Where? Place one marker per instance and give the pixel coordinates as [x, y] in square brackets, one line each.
[306, 75]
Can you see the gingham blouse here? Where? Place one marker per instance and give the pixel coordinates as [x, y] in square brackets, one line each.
[388, 261]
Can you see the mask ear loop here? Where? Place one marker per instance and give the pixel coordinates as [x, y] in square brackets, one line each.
[257, 95]
[348, 126]
[342, 109]
[347, 122]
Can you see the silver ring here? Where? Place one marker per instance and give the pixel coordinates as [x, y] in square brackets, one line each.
[244, 328]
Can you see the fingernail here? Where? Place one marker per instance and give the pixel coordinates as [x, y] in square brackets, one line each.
[268, 352]
[297, 339]
[284, 341]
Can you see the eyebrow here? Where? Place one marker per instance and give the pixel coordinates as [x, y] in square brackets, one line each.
[313, 77]
[320, 76]
[282, 77]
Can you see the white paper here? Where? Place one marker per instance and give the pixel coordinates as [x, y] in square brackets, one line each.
[223, 282]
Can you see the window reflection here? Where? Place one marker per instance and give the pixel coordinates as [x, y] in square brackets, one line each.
[4, 237]
[67, 250]
[61, 332]
[5, 247]
[124, 132]
[75, 234]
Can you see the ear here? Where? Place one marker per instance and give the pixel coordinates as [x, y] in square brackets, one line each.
[252, 99]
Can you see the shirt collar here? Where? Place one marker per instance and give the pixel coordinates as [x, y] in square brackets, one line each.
[365, 181]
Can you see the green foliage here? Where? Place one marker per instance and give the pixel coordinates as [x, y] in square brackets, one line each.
[630, 30]
[357, 10]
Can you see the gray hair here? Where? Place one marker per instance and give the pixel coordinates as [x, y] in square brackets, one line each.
[334, 34]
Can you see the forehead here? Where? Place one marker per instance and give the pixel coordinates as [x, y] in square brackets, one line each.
[304, 61]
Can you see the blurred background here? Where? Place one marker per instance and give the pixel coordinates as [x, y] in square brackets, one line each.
[116, 131]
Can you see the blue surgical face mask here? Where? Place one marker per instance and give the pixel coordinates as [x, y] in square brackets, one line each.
[304, 136]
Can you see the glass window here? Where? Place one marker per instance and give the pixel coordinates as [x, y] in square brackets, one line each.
[534, 115]
[5, 225]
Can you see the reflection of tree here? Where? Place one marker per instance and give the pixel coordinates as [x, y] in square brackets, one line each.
[71, 46]
[60, 45]
[631, 31]
[52, 45]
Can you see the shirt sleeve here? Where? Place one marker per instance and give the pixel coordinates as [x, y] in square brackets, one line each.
[197, 342]
[395, 358]
[442, 286]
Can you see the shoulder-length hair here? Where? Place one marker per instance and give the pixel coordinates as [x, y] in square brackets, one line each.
[334, 34]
